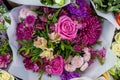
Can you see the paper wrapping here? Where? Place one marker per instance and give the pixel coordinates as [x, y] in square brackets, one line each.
[95, 70]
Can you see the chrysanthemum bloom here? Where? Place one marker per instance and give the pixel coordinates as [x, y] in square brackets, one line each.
[90, 31]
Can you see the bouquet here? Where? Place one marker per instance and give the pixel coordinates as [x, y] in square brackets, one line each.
[115, 47]
[108, 9]
[48, 3]
[59, 41]
[5, 50]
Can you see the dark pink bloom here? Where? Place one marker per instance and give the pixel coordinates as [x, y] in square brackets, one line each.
[42, 18]
[90, 31]
[56, 66]
[24, 33]
[5, 60]
[30, 20]
[40, 26]
[102, 52]
[77, 48]
[31, 65]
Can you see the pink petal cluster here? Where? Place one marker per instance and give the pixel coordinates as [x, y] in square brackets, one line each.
[30, 20]
[56, 66]
[24, 33]
[5, 60]
[31, 65]
[66, 28]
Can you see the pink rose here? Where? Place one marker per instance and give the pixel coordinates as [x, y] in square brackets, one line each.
[24, 12]
[77, 61]
[66, 28]
[84, 66]
[56, 66]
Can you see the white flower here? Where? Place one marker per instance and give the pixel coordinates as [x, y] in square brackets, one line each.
[84, 66]
[47, 53]
[40, 42]
[117, 37]
[116, 48]
[5, 76]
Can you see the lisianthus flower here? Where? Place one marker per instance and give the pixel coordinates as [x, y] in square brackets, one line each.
[40, 26]
[40, 42]
[54, 37]
[90, 31]
[56, 66]
[69, 75]
[66, 28]
[30, 20]
[47, 53]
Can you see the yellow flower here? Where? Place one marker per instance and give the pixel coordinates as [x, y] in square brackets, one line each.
[47, 53]
[40, 42]
[55, 37]
[116, 48]
[5, 76]
[117, 37]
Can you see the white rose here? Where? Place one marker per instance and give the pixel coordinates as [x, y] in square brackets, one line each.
[5, 76]
[116, 48]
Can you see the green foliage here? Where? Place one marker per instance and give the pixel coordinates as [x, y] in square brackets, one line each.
[2, 10]
[107, 5]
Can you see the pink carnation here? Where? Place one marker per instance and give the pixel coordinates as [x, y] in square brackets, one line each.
[56, 66]
[66, 28]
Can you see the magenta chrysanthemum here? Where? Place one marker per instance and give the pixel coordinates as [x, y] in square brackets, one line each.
[90, 31]
[30, 20]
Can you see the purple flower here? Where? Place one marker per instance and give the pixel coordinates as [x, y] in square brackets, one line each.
[1, 1]
[90, 31]
[5, 60]
[77, 48]
[81, 9]
[102, 52]
[30, 20]
[24, 33]
[69, 75]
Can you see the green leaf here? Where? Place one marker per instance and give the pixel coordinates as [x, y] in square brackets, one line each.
[7, 19]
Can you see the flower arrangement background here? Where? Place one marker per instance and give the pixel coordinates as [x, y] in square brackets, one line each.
[48, 51]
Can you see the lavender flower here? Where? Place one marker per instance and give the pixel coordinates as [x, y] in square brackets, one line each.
[69, 75]
[30, 20]
[5, 60]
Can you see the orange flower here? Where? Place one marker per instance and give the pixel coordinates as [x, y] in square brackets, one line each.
[118, 19]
